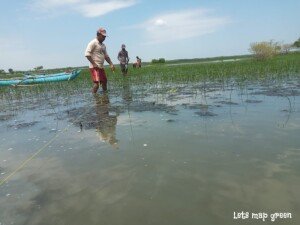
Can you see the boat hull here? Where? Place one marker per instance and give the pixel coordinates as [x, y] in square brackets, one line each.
[37, 79]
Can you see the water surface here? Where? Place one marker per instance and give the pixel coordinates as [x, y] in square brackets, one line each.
[163, 154]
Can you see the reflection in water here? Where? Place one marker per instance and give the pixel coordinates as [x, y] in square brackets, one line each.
[127, 99]
[106, 123]
[126, 92]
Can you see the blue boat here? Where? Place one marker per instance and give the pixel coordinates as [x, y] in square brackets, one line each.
[40, 78]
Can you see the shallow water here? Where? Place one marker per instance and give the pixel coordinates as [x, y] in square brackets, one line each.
[163, 154]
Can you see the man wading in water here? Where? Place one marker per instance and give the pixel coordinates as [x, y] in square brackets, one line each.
[96, 53]
[124, 59]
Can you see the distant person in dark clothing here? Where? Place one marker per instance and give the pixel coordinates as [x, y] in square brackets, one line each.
[124, 59]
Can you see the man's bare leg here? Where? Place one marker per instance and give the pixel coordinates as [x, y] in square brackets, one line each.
[95, 87]
[104, 86]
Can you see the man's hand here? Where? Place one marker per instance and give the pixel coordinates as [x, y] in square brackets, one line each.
[112, 67]
[95, 66]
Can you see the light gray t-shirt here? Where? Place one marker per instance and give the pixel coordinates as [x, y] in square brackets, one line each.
[97, 51]
[123, 57]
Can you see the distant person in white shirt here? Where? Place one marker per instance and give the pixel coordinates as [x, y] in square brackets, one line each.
[96, 54]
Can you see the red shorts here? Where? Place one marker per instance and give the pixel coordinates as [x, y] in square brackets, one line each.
[98, 75]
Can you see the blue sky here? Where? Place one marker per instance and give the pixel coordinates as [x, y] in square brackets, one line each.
[54, 33]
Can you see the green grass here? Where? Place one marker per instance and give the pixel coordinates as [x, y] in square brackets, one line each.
[277, 68]
[245, 69]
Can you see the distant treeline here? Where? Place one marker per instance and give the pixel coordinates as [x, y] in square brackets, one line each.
[160, 60]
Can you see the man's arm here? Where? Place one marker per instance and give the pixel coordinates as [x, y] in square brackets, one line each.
[127, 58]
[88, 53]
[112, 67]
[92, 61]
[119, 56]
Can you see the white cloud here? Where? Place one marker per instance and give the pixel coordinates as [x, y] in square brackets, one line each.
[87, 8]
[160, 22]
[181, 25]
[49, 4]
[100, 8]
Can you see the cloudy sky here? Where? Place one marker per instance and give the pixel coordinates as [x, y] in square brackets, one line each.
[54, 33]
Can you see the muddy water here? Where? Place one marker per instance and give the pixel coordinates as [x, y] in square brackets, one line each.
[163, 154]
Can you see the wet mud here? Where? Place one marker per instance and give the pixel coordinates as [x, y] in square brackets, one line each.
[6, 117]
[20, 125]
[253, 101]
